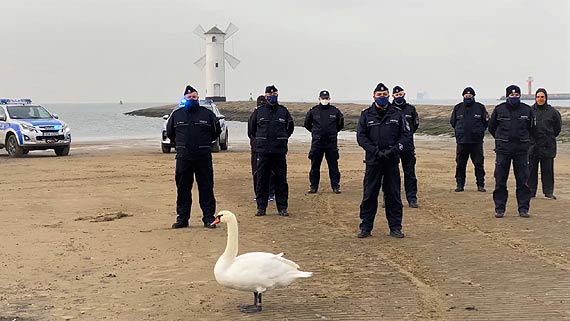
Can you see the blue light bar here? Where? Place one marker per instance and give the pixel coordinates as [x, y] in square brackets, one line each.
[24, 101]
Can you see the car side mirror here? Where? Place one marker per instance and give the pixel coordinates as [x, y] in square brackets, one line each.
[165, 117]
[221, 117]
[56, 116]
[2, 117]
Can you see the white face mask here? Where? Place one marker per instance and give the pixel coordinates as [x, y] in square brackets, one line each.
[325, 102]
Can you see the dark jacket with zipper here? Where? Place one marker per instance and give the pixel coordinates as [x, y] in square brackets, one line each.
[470, 122]
[324, 122]
[382, 131]
[512, 128]
[270, 126]
[548, 126]
[192, 130]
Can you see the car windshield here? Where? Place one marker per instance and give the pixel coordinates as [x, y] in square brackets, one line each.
[28, 112]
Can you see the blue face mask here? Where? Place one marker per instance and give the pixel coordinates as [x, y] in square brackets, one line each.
[468, 100]
[513, 101]
[381, 101]
[272, 100]
[193, 103]
[189, 103]
[399, 100]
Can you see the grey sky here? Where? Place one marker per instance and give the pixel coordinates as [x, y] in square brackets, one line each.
[143, 50]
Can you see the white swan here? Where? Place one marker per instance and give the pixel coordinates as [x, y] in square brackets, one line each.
[256, 271]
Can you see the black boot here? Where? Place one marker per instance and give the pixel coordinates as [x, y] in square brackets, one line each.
[180, 224]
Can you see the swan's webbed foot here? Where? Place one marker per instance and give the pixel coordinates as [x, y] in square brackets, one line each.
[249, 308]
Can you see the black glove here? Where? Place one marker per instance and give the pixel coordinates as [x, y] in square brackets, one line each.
[381, 154]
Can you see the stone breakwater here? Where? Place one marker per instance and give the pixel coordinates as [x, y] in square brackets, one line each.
[434, 119]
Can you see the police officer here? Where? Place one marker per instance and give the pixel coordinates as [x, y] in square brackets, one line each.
[543, 144]
[382, 131]
[324, 121]
[271, 125]
[193, 128]
[408, 154]
[469, 119]
[260, 101]
[512, 124]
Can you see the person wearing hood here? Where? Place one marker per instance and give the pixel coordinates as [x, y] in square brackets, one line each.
[271, 125]
[382, 131]
[512, 124]
[543, 145]
[193, 128]
[408, 154]
[324, 121]
[469, 120]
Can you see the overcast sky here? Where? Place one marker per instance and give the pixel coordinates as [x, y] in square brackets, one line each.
[144, 50]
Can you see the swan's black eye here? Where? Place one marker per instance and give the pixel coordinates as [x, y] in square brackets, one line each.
[220, 216]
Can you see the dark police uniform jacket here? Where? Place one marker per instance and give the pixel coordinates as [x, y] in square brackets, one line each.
[193, 130]
[270, 126]
[512, 128]
[324, 122]
[470, 122]
[379, 133]
[548, 126]
[413, 119]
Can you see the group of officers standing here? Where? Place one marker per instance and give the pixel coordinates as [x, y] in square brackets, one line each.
[385, 131]
[525, 136]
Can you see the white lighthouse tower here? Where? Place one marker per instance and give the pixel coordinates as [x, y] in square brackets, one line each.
[214, 60]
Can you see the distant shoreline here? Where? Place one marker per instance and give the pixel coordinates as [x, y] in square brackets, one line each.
[437, 123]
[434, 119]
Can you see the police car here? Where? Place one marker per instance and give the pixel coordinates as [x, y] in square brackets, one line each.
[219, 144]
[25, 126]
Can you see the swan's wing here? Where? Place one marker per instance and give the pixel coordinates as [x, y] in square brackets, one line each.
[286, 261]
[266, 256]
[261, 269]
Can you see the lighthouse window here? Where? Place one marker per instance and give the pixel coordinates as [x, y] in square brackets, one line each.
[216, 65]
[214, 39]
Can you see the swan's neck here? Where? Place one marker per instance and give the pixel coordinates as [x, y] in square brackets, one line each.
[232, 244]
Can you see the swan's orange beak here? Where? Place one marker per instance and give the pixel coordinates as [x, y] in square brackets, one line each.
[216, 221]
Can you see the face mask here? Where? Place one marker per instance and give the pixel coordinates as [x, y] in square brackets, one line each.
[399, 100]
[272, 100]
[381, 101]
[468, 100]
[192, 103]
[325, 102]
[513, 101]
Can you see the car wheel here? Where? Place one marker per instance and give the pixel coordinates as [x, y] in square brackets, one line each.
[62, 151]
[14, 150]
[224, 145]
[216, 147]
[166, 148]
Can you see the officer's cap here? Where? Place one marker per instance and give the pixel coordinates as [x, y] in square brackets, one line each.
[468, 90]
[189, 89]
[324, 94]
[513, 89]
[271, 89]
[397, 89]
[381, 87]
